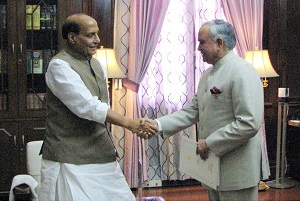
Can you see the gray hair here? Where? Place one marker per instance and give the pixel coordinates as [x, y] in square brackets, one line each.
[221, 29]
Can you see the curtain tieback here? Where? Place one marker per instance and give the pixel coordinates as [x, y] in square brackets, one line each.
[129, 84]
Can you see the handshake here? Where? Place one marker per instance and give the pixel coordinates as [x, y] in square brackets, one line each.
[144, 128]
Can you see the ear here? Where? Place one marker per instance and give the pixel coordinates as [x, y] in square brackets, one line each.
[72, 37]
[220, 42]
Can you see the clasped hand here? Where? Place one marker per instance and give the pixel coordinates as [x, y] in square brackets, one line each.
[144, 128]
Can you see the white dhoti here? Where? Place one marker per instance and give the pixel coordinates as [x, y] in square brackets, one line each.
[91, 182]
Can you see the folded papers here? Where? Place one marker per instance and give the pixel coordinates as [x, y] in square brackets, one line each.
[207, 172]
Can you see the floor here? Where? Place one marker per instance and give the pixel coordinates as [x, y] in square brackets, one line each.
[198, 193]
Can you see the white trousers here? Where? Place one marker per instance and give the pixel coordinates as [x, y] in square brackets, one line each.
[91, 182]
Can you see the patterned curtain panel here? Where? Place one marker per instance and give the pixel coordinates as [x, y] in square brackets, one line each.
[121, 40]
[172, 77]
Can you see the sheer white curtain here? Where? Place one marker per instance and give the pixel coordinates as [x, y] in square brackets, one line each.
[172, 77]
[145, 22]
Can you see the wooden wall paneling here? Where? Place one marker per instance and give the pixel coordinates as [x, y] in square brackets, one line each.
[293, 50]
[293, 82]
[281, 38]
[66, 8]
[87, 7]
[103, 12]
[271, 38]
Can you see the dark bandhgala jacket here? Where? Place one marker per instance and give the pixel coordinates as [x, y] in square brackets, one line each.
[69, 138]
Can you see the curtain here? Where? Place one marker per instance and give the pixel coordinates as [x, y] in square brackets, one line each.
[146, 19]
[172, 78]
[247, 18]
[121, 38]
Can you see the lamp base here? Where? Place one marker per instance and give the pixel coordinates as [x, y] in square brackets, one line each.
[286, 183]
[265, 82]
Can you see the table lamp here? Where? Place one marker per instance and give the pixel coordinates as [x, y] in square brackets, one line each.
[107, 58]
[261, 62]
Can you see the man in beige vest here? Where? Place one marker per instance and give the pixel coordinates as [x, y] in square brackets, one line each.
[79, 157]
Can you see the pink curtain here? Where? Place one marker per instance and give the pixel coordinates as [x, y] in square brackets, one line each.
[146, 20]
[247, 18]
[171, 80]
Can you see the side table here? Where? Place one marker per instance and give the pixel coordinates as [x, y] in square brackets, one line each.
[281, 181]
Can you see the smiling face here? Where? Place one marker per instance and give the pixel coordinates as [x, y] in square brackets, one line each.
[86, 42]
[208, 48]
[212, 51]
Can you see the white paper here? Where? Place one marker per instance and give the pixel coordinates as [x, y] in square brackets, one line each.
[207, 172]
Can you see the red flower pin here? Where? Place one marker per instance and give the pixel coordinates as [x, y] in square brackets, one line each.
[215, 90]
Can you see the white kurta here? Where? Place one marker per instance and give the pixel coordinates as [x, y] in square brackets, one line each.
[67, 85]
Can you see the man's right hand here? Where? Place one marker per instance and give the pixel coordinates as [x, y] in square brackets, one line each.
[148, 128]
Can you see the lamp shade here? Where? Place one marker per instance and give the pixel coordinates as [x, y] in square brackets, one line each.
[261, 61]
[107, 57]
